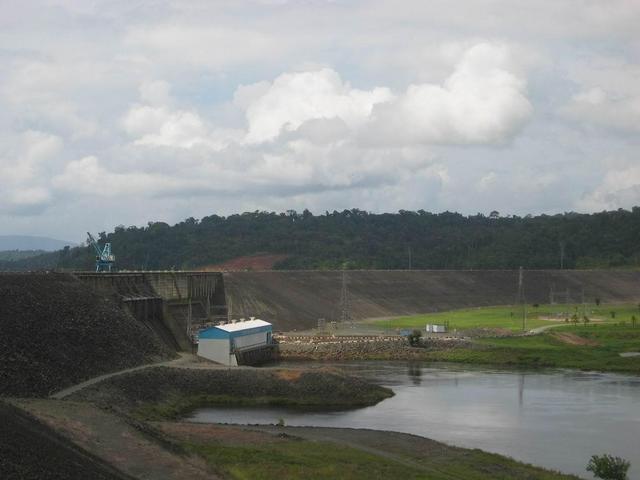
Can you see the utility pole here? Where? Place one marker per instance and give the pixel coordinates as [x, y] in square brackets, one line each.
[521, 298]
[345, 307]
[409, 251]
[562, 255]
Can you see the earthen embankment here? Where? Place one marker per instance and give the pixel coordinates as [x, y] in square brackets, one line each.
[297, 299]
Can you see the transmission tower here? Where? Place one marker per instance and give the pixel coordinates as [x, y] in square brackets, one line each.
[345, 304]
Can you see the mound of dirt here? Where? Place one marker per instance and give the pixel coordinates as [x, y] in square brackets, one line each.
[242, 386]
[30, 450]
[55, 332]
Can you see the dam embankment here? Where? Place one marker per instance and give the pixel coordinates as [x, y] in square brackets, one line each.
[56, 331]
[297, 299]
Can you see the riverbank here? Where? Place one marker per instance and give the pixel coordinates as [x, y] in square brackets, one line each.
[595, 347]
[346, 453]
[176, 450]
[169, 393]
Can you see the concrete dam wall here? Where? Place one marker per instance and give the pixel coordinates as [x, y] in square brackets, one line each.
[172, 304]
[297, 299]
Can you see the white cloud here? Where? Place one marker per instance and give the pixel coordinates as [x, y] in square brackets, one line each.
[620, 188]
[24, 161]
[88, 177]
[482, 101]
[381, 106]
[294, 98]
[608, 94]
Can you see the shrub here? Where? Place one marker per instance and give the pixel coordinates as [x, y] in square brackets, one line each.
[414, 338]
[608, 467]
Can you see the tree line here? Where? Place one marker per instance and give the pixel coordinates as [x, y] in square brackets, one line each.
[356, 239]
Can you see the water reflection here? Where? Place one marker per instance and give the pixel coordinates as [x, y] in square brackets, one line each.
[521, 390]
[567, 416]
[414, 371]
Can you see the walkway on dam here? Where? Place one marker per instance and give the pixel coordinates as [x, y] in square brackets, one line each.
[182, 360]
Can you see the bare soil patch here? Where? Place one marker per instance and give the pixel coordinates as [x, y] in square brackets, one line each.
[257, 262]
[573, 339]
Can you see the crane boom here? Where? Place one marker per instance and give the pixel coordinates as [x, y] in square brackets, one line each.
[94, 244]
[104, 258]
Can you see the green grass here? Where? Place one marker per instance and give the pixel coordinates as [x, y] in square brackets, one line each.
[548, 350]
[301, 459]
[179, 405]
[510, 317]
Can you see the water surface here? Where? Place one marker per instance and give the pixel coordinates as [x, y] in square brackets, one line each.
[555, 419]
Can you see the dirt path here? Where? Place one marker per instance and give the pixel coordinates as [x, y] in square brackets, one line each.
[184, 358]
[546, 327]
[117, 441]
[573, 339]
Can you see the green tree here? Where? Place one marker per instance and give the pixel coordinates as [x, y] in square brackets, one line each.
[608, 467]
[414, 338]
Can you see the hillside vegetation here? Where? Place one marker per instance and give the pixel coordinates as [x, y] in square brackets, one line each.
[355, 239]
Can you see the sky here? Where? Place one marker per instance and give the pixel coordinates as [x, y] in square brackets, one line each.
[125, 112]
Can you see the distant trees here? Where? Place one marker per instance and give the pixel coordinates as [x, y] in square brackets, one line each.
[363, 240]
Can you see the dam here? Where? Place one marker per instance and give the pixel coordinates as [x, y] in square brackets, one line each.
[296, 299]
[174, 304]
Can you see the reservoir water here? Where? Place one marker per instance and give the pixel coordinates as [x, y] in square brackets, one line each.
[556, 419]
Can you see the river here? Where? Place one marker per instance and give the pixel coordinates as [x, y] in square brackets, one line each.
[555, 419]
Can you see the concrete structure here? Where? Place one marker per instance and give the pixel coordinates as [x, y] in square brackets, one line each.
[432, 328]
[239, 343]
[174, 303]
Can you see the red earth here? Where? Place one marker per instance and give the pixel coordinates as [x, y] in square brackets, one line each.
[264, 261]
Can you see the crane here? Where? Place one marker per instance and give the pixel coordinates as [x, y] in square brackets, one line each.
[104, 258]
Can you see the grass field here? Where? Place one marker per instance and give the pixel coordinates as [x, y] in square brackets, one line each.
[510, 317]
[591, 347]
[296, 458]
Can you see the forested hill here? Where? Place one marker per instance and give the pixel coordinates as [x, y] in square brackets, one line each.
[357, 239]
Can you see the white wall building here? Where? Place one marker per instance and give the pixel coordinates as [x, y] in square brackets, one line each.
[432, 328]
[231, 344]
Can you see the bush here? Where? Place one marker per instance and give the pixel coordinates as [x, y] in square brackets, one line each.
[608, 467]
[414, 338]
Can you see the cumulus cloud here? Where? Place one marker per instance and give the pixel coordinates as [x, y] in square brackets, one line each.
[608, 94]
[87, 176]
[598, 106]
[294, 98]
[23, 167]
[158, 126]
[482, 101]
[261, 105]
[620, 188]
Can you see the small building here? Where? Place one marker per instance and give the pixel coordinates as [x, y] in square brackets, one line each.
[237, 343]
[433, 328]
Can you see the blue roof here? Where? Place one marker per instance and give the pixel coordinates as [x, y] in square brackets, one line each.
[217, 333]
